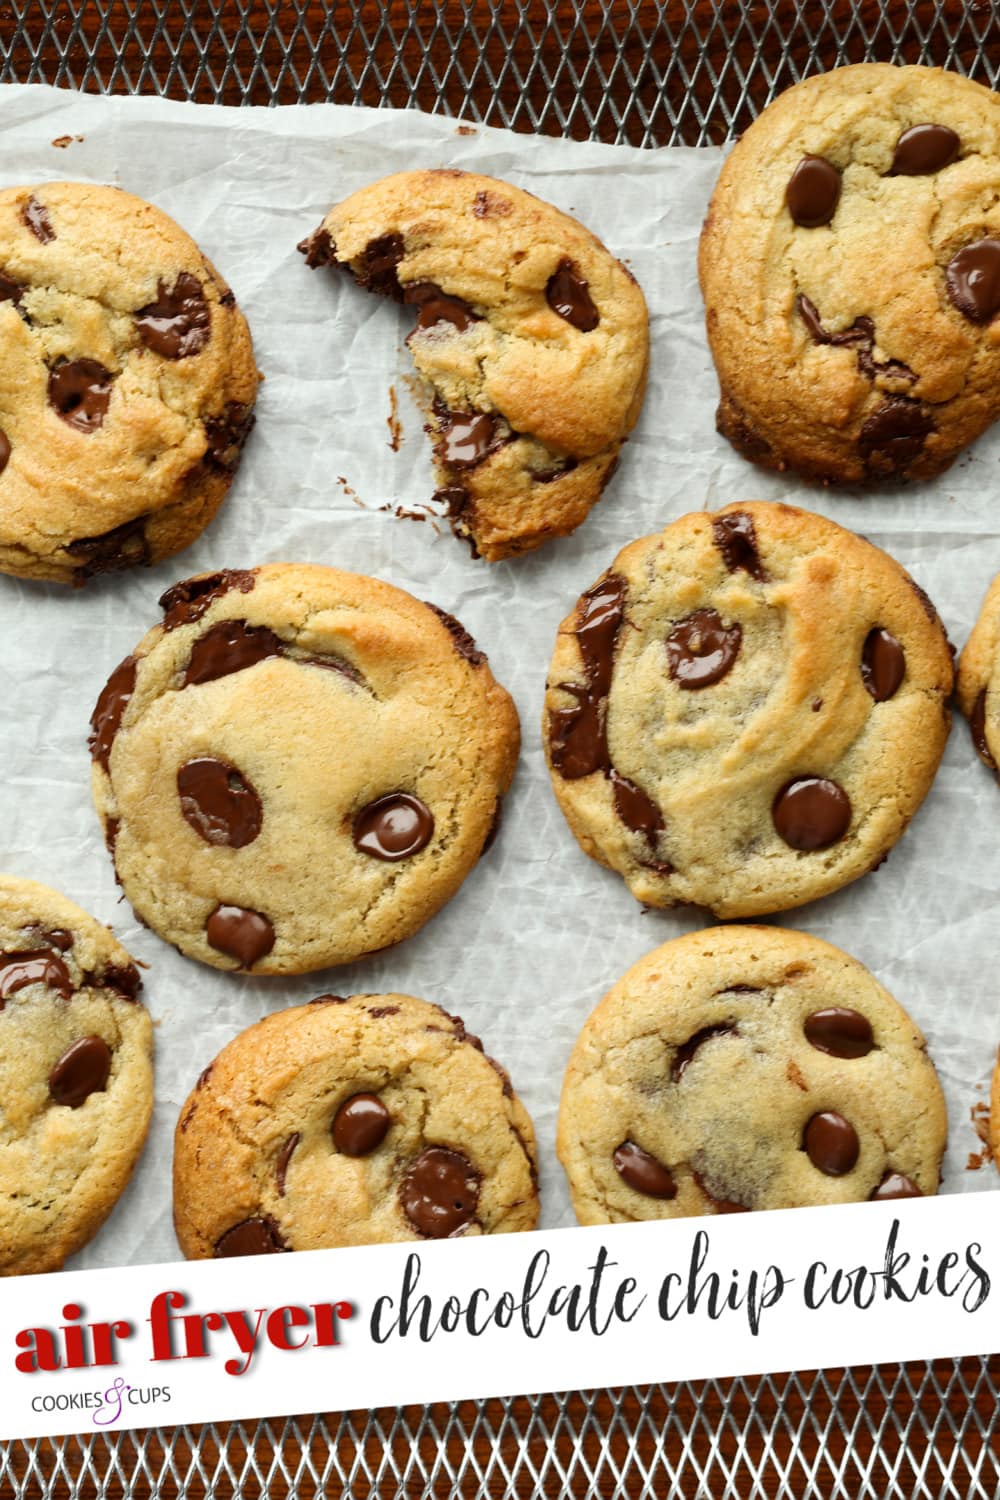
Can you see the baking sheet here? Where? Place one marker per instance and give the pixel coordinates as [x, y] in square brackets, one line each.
[538, 932]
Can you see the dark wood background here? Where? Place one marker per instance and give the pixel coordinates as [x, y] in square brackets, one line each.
[649, 74]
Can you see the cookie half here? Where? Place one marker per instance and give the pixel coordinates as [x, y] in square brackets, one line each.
[127, 385]
[298, 767]
[977, 687]
[351, 1122]
[531, 339]
[76, 1077]
[747, 1068]
[850, 265]
[746, 710]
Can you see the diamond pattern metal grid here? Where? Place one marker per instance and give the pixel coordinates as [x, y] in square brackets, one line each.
[650, 74]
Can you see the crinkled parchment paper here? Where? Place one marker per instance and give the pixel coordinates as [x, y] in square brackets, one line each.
[538, 933]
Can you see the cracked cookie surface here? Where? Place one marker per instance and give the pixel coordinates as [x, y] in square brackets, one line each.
[76, 1078]
[127, 386]
[747, 1068]
[850, 265]
[531, 339]
[298, 767]
[746, 710]
[354, 1121]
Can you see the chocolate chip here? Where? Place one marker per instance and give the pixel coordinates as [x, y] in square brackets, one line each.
[486, 204]
[111, 828]
[685, 1053]
[178, 323]
[440, 1193]
[811, 813]
[924, 149]
[82, 1070]
[393, 827]
[79, 392]
[831, 1143]
[568, 295]
[894, 435]
[435, 306]
[360, 1124]
[4, 450]
[883, 664]
[839, 1031]
[701, 650]
[220, 804]
[464, 643]
[577, 736]
[60, 938]
[251, 1237]
[10, 290]
[721, 1205]
[977, 727]
[894, 1185]
[465, 438]
[226, 434]
[318, 248]
[813, 192]
[973, 280]
[282, 1166]
[376, 271]
[230, 646]
[188, 600]
[643, 1172]
[36, 216]
[124, 546]
[240, 934]
[636, 810]
[736, 539]
[378, 1011]
[106, 719]
[33, 966]
[123, 978]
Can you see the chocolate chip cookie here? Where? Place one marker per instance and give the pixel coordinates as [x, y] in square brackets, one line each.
[850, 264]
[127, 384]
[746, 710]
[298, 766]
[350, 1122]
[978, 681]
[743, 1068]
[531, 339]
[76, 1078]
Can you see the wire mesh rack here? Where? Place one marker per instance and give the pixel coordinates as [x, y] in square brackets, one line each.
[649, 74]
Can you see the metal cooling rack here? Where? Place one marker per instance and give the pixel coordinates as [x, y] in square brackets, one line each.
[647, 74]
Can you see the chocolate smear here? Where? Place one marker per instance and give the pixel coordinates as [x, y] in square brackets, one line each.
[10, 290]
[230, 646]
[188, 600]
[226, 434]
[701, 650]
[376, 268]
[33, 966]
[860, 336]
[36, 216]
[106, 719]
[79, 392]
[636, 810]
[894, 435]
[82, 1070]
[435, 306]
[219, 803]
[465, 438]
[318, 248]
[440, 1193]
[178, 323]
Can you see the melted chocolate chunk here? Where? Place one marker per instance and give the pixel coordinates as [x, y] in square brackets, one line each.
[973, 280]
[111, 828]
[578, 737]
[33, 966]
[60, 938]
[568, 295]
[811, 813]
[813, 192]
[361, 1124]
[701, 650]
[125, 546]
[465, 438]
[435, 306]
[82, 1070]
[464, 643]
[79, 392]
[111, 705]
[393, 827]
[284, 1158]
[226, 434]
[636, 810]
[454, 499]
[178, 323]
[894, 1185]
[318, 248]
[924, 149]
[977, 728]
[4, 450]
[376, 270]
[831, 1143]
[220, 804]
[643, 1172]
[36, 216]
[736, 539]
[10, 290]
[230, 646]
[440, 1193]
[860, 337]
[839, 1032]
[883, 664]
[124, 979]
[188, 600]
[240, 934]
[894, 435]
[685, 1053]
[378, 1011]
[252, 1237]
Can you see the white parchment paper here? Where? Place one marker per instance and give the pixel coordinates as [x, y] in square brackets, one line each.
[538, 933]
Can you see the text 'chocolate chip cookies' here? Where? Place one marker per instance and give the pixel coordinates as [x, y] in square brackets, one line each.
[532, 341]
[76, 1079]
[747, 1068]
[298, 767]
[350, 1122]
[850, 264]
[127, 385]
[746, 710]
